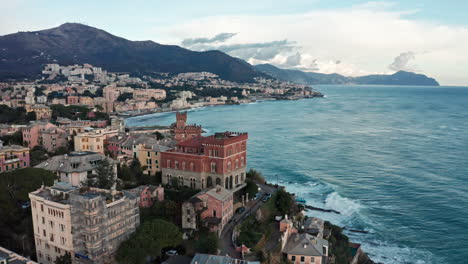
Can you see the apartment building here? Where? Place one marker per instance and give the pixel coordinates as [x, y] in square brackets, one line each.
[94, 140]
[88, 223]
[44, 134]
[13, 157]
[213, 208]
[74, 168]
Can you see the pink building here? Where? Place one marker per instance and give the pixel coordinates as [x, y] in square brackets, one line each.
[44, 134]
[149, 194]
[213, 208]
[13, 157]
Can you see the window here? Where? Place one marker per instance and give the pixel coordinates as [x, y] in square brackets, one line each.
[149, 154]
[302, 258]
[176, 164]
[293, 258]
[213, 167]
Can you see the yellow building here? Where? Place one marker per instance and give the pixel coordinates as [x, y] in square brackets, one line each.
[42, 111]
[94, 140]
[149, 156]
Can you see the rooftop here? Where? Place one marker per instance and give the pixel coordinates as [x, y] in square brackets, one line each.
[74, 162]
[305, 244]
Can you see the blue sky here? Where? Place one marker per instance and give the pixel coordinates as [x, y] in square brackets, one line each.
[349, 37]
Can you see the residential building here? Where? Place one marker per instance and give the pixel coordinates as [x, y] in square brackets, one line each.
[42, 111]
[74, 168]
[13, 157]
[10, 257]
[148, 194]
[44, 134]
[212, 208]
[302, 248]
[149, 154]
[88, 223]
[314, 226]
[203, 162]
[94, 140]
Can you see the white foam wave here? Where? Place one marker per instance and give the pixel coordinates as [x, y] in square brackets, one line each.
[343, 205]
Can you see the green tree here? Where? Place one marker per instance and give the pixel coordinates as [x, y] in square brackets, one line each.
[64, 259]
[103, 176]
[284, 202]
[15, 222]
[149, 240]
[207, 243]
[256, 176]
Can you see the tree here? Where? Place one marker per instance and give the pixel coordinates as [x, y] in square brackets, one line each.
[284, 202]
[255, 176]
[13, 139]
[159, 135]
[103, 176]
[64, 259]
[149, 240]
[124, 96]
[207, 243]
[251, 188]
[15, 222]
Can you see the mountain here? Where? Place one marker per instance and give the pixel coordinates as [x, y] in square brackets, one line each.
[398, 78]
[24, 53]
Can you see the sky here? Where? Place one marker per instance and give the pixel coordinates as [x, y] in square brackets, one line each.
[349, 37]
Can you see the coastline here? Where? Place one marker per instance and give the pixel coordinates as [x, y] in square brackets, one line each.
[364, 257]
[256, 99]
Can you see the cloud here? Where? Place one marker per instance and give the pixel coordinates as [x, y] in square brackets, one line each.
[262, 51]
[221, 37]
[293, 60]
[364, 39]
[401, 62]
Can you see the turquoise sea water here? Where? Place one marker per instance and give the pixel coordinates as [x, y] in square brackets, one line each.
[392, 160]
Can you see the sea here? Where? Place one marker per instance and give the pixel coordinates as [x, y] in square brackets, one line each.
[393, 160]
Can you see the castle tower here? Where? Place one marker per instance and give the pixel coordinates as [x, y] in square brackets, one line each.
[181, 119]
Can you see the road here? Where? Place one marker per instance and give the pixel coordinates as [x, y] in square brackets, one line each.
[226, 246]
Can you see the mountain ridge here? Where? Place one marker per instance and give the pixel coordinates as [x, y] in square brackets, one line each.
[311, 78]
[24, 53]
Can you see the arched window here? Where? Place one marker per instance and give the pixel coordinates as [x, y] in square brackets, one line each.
[218, 181]
[209, 182]
[237, 163]
[229, 165]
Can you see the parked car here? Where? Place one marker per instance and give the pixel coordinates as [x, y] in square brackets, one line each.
[240, 210]
[172, 252]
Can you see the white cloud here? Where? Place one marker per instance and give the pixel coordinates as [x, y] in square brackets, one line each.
[402, 62]
[364, 38]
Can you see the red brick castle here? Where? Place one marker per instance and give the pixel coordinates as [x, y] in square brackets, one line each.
[202, 162]
[182, 131]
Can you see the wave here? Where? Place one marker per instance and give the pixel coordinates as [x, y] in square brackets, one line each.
[352, 216]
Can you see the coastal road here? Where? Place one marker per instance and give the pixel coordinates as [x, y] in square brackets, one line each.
[226, 245]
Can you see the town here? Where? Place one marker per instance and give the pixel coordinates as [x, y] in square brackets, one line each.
[79, 186]
[125, 95]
